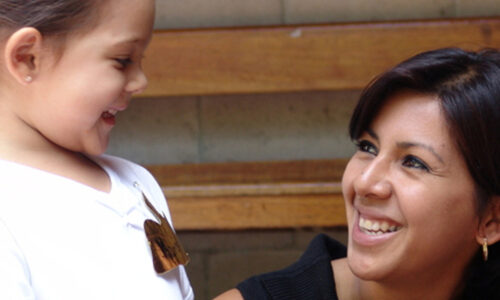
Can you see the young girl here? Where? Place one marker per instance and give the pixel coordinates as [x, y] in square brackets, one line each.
[422, 193]
[71, 218]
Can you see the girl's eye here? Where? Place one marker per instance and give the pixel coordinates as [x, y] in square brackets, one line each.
[366, 146]
[124, 62]
[414, 162]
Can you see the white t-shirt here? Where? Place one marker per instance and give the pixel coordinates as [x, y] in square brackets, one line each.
[62, 240]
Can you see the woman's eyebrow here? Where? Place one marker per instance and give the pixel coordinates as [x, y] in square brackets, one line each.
[406, 145]
[372, 134]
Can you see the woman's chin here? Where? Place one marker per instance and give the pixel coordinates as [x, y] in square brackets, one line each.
[367, 268]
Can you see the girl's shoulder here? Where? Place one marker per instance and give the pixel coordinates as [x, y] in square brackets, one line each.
[133, 175]
[128, 172]
[15, 176]
[121, 166]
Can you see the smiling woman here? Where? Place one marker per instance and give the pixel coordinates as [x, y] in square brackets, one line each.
[409, 173]
[422, 192]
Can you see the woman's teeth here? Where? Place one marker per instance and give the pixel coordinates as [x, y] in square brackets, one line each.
[373, 227]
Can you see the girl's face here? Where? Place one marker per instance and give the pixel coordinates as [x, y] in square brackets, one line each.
[78, 94]
[410, 199]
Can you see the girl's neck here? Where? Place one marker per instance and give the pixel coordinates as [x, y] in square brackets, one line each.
[28, 147]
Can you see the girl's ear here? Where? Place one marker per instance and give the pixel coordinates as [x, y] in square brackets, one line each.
[22, 54]
[489, 227]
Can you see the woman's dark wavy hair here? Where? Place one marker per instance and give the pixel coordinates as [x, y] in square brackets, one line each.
[467, 85]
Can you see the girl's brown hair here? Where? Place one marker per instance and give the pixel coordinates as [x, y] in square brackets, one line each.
[54, 18]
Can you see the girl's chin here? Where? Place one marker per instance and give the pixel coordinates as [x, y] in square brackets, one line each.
[96, 150]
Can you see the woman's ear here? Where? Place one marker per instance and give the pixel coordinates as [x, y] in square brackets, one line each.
[22, 54]
[489, 227]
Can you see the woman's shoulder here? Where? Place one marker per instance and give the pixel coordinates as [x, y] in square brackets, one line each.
[321, 251]
[322, 244]
[299, 280]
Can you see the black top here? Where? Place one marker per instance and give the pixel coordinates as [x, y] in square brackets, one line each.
[310, 278]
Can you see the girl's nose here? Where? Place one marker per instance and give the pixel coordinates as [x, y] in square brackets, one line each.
[373, 181]
[137, 82]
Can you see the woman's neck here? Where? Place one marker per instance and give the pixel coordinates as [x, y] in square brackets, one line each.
[351, 287]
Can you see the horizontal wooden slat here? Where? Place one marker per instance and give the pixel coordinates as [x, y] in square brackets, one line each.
[298, 58]
[243, 195]
[323, 170]
[284, 211]
[290, 188]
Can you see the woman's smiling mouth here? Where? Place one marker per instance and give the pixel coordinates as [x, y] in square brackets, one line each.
[374, 227]
[370, 230]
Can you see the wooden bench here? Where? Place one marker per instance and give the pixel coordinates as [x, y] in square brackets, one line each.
[281, 59]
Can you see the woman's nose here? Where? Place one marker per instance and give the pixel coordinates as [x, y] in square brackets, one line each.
[373, 182]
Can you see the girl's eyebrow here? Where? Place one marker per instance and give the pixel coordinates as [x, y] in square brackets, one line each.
[127, 41]
[131, 40]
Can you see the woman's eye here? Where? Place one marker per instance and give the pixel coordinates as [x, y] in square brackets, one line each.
[366, 146]
[413, 162]
[124, 62]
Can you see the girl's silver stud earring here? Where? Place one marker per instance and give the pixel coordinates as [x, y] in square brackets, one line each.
[28, 78]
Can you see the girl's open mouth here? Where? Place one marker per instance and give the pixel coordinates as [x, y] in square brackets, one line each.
[109, 117]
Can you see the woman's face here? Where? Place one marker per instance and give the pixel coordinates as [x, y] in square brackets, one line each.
[410, 199]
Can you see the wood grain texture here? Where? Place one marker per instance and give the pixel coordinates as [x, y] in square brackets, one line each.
[249, 195]
[255, 212]
[322, 170]
[298, 58]
[281, 59]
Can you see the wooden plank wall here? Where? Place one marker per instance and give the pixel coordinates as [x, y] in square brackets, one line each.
[281, 59]
[254, 194]
[298, 58]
